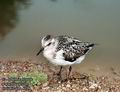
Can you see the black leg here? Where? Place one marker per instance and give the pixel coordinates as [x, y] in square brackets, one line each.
[59, 73]
[70, 68]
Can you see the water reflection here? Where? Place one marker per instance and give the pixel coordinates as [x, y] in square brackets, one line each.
[9, 14]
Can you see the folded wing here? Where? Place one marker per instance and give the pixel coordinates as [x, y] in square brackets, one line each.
[73, 50]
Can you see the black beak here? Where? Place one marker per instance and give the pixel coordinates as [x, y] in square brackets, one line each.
[40, 51]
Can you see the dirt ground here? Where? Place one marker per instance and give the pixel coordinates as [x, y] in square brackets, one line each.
[76, 83]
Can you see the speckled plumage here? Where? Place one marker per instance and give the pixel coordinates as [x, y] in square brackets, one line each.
[72, 47]
[64, 50]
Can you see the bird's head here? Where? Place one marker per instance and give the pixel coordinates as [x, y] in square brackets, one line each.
[46, 41]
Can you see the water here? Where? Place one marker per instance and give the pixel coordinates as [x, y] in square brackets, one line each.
[23, 23]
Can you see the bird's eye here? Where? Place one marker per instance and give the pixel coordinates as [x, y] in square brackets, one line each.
[48, 44]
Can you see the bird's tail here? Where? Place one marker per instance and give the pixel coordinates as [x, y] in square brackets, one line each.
[90, 45]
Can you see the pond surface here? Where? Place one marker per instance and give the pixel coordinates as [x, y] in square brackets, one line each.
[24, 22]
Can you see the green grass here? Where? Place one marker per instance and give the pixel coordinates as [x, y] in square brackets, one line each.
[36, 77]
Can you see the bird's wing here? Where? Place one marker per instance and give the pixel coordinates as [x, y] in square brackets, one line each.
[72, 47]
[74, 50]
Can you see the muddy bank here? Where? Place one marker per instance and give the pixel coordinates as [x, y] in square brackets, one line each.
[76, 83]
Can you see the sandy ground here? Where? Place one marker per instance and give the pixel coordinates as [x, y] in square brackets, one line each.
[78, 82]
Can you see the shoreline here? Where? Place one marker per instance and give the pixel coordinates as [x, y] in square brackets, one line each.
[85, 67]
[82, 82]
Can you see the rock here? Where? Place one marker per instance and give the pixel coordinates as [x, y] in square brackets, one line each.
[74, 90]
[63, 85]
[64, 88]
[46, 88]
[93, 85]
[68, 85]
[85, 89]
[45, 84]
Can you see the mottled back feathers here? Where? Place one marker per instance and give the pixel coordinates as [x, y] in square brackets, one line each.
[72, 47]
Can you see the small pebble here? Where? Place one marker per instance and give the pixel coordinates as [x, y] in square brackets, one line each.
[85, 89]
[45, 84]
[68, 85]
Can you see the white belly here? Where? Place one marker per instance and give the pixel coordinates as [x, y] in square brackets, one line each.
[49, 54]
[59, 59]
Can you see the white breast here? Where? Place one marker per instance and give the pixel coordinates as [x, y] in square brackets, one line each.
[59, 59]
[49, 52]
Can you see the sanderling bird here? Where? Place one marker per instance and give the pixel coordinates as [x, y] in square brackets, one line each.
[64, 50]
